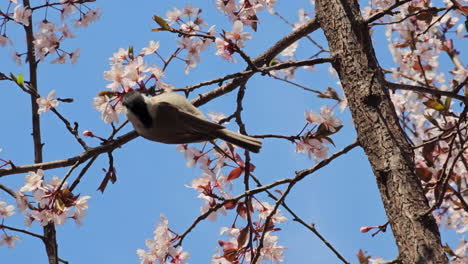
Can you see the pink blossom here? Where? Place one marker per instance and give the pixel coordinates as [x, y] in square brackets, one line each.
[265, 209]
[216, 117]
[74, 56]
[224, 50]
[190, 27]
[33, 181]
[21, 15]
[152, 47]
[237, 35]
[190, 11]
[21, 201]
[9, 240]
[47, 103]
[4, 40]
[6, 210]
[61, 59]
[90, 16]
[109, 113]
[173, 16]
[313, 118]
[329, 121]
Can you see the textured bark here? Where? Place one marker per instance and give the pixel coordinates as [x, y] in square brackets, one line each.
[379, 132]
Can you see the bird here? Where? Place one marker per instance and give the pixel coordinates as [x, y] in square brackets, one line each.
[172, 119]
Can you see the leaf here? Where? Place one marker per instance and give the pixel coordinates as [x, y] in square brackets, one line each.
[363, 259]
[158, 29]
[273, 62]
[435, 104]
[449, 251]
[235, 173]
[432, 120]
[427, 153]
[242, 238]
[230, 205]
[130, 50]
[106, 93]
[463, 9]
[424, 174]
[161, 22]
[20, 80]
[242, 210]
[59, 205]
[425, 16]
[448, 100]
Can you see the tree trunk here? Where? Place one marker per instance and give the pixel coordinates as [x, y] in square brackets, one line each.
[379, 132]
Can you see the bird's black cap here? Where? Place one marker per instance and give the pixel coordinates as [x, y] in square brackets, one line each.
[135, 102]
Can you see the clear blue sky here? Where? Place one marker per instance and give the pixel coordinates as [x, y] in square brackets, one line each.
[339, 199]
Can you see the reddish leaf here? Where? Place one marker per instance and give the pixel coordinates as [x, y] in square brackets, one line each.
[234, 174]
[242, 210]
[242, 238]
[230, 205]
[427, 153]
[424, 174]
[463, 9]
[363, 259]
[278, 191]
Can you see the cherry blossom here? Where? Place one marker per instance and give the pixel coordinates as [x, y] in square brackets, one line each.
[4, 40]
[265, 209]
[173, 16]
[6, 210]
[89, 17]
[109, 112]
[47, 103]
[151, 48]
[33, 181]
[159, 247]
[21, 15]
[237, 35]
[329, 121]
[9, 241]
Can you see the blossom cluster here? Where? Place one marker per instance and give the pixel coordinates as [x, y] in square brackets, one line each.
[55, 202]
[313, 142]
[161, 248]
[213, 184]
[128, 71]
[245, 11]
[49, 36]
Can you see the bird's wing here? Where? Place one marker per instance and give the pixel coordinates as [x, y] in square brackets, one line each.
[189, 122]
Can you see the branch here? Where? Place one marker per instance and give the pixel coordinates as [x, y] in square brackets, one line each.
[262, 59]
[109, 146]
[422, 89]
[388, 11]
[22, 231]
[73, 131]
[280, 66]
[299, 176]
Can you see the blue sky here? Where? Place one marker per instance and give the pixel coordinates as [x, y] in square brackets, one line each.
[339, 199]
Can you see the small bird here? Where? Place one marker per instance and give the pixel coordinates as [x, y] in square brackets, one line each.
[170, 118]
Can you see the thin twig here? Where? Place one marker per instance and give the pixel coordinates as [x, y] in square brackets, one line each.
[22, 231]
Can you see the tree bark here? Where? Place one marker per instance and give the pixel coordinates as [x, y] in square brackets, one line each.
[379, 132]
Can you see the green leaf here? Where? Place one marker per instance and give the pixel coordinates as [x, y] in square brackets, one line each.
[448, 100]
[20, 80]
[435, 104]
[161, 22]
[432, 120]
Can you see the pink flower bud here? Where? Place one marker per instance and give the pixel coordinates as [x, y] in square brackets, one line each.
[88, 133]
[366, 229]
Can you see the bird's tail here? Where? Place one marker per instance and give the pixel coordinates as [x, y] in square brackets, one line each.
[243, 141]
